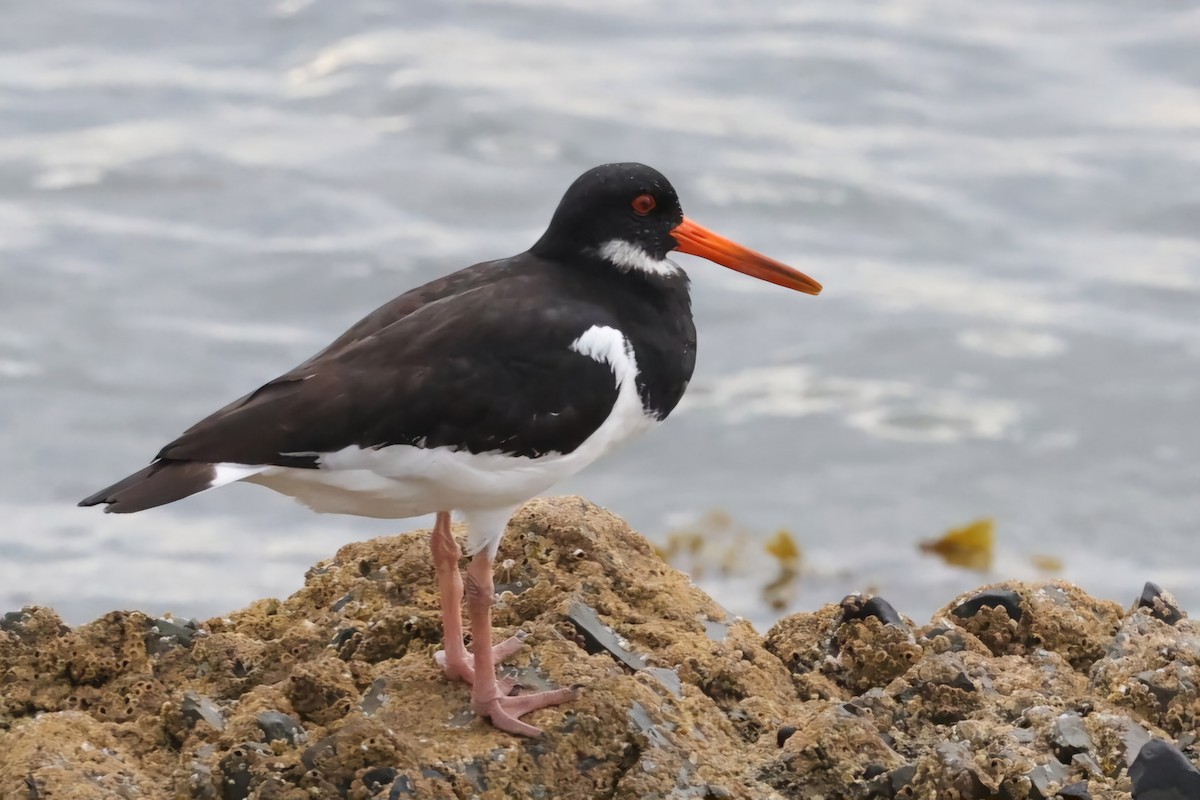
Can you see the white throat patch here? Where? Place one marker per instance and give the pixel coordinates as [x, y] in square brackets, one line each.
[628, 256]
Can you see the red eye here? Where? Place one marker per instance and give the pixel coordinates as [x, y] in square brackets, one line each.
[643, 204]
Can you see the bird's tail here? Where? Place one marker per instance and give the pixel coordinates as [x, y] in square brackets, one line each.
[166, 481]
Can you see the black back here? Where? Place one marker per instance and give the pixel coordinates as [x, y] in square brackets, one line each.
[479, 361]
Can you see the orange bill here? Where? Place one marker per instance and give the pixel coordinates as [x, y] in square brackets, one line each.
[697, 240]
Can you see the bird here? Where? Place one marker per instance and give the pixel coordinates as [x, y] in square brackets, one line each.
[474, 393]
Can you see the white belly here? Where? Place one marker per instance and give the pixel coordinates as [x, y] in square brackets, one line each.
[406, 481]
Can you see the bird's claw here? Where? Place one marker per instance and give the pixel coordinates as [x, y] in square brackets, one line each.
[506, 712]
[460, 668]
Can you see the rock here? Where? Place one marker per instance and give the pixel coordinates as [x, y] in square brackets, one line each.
[1016, 691]
[70, 754]
[402, 787]
[858, 607]
[597, 637]
[855, 648]
[1015, 619]
[902, 778]
[1006, 599]
[1162, 605]
[1046, 778]
[197, 707]
[170, 632]
[277, 725]
[238, 769]
[803, 768]
[1069, 736]
[1075, 791]
[783, 734]
[1152, 669]
[1161, 772]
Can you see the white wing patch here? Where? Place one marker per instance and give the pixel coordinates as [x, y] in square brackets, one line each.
[629, 416]
[608, 346]
[225, 473]
[628, 256]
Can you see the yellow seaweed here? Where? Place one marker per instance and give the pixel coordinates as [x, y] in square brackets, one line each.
[970, 546]
[783, 546]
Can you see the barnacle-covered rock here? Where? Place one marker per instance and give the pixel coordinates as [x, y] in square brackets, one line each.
[1018, 691]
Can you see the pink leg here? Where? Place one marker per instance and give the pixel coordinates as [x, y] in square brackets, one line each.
[487, 697]
[446, 554]
[454, 660]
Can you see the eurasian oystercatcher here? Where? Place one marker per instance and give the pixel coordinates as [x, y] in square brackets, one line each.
[476, 392]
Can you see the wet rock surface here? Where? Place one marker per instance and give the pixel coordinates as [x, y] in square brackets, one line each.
[1013, 691]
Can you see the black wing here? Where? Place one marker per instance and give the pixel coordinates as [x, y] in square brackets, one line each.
[486, 366]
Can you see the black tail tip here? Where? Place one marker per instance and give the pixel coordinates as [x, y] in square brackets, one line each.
[162, 482]
[107, 500]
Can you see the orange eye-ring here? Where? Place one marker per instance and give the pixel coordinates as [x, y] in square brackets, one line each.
[643, 204]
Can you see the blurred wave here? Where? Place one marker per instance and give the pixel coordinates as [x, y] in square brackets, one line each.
[1000, 200]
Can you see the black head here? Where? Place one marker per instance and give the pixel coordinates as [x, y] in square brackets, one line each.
[614, 207]
[628, 215]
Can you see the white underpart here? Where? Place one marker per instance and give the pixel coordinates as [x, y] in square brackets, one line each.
[407, 481]
[627, 255]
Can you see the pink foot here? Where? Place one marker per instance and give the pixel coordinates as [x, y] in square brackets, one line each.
[505, 712]
[490, 697]
[458, 664]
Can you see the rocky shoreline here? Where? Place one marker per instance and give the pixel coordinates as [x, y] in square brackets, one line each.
[1014, 691]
